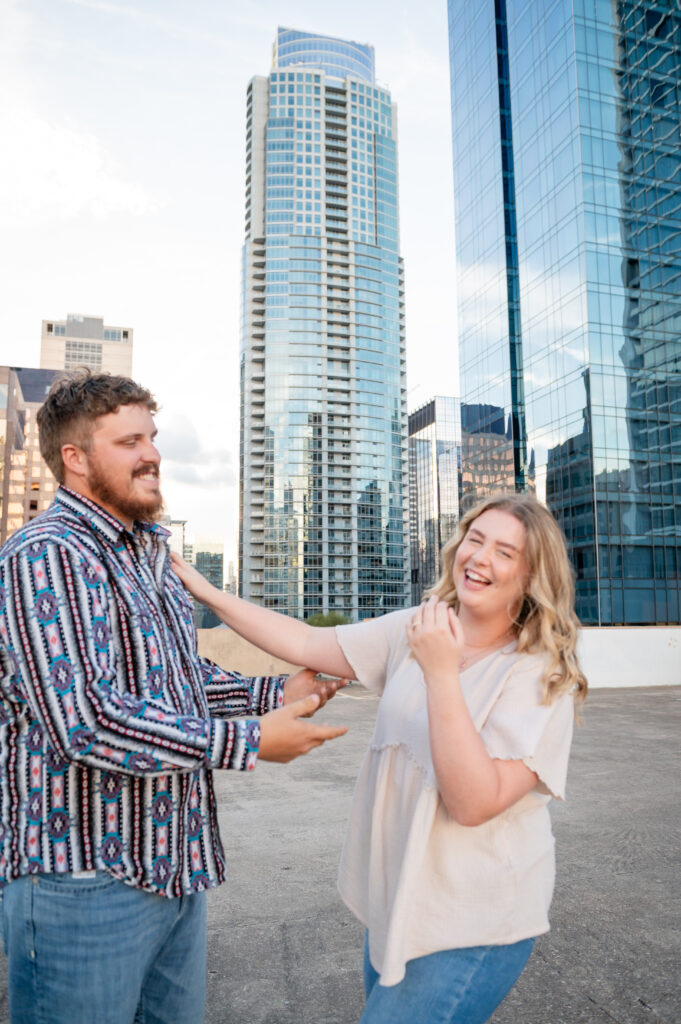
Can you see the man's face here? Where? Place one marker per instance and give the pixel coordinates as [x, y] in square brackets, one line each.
[123, 464]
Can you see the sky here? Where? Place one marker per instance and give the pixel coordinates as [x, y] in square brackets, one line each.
[122, 196]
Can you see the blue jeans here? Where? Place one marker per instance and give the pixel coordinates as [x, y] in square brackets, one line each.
[455, 986]
[86, 950]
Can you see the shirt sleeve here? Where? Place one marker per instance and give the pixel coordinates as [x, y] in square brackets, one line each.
[226, 691]
[369, 646]
[60, 658]
[519, 727]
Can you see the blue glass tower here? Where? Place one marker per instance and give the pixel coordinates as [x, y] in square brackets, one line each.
[567, 170]
[324, 517]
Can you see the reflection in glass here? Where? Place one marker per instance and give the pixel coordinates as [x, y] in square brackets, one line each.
[596, 226]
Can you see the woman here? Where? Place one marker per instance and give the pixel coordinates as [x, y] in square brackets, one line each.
[448, 859]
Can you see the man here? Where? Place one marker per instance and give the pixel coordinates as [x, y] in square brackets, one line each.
[110, 729]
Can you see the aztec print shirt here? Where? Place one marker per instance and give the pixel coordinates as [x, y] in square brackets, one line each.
[110, 722]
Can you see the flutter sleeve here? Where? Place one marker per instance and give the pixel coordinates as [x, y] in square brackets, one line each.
[371, 646]
[520, 727]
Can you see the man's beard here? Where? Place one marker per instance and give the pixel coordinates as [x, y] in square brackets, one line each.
[125, 504]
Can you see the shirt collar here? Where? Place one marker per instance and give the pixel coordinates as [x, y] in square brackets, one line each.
[101, 520]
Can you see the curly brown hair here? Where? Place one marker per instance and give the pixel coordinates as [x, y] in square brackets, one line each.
[75, 402]
[546, 621]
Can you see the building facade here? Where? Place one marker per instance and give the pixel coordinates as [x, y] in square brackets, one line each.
[567, 171]
[26, 484]
[209, 559]
[434, 487]
[323, 462]
[86, 341]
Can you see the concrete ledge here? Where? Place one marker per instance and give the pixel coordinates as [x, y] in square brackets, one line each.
[631, 655]
[610, 655]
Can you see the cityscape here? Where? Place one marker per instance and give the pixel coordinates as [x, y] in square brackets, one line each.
[353, 468]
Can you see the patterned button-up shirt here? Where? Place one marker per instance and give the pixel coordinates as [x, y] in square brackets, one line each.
[110, 722]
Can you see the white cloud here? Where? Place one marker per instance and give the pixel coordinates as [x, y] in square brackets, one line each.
[54, 172]
[186, 460]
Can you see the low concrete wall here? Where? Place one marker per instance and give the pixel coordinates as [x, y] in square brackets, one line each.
[610, 656]
[226, 648]
[631, 655]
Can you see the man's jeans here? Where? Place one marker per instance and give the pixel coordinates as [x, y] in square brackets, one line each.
[94, 950]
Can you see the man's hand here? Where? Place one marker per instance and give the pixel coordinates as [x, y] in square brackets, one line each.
[284, 735]
[305, 682]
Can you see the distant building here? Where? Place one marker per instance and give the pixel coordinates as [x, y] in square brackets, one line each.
[177, 540]
[567, 174]
[434, 487]
[209, 560]
[26, 484]
[231, 583]
[323, 467]
[86, 341]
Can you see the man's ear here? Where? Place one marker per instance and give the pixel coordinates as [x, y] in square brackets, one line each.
[74, 459]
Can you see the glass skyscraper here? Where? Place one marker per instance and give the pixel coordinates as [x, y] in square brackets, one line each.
[567, 170]
[434, 487]
[323, 462]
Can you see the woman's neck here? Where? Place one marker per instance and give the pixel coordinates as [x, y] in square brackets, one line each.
[481, 633]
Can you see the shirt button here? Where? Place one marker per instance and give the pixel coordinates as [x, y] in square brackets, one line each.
[34, 880]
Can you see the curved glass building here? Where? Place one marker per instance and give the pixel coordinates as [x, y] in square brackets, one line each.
[323, 462]
[337, 58]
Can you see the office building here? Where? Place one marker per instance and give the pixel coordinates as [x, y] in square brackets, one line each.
[567, 170]
[323, 463]
[26, 484]
[209, 559]
[86, 341]
[434, 487]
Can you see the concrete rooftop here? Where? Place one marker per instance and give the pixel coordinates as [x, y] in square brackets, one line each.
[282, 948]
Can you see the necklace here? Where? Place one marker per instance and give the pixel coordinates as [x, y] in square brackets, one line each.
[481, 652]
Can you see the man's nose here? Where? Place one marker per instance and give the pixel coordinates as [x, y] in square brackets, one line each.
[151, 454]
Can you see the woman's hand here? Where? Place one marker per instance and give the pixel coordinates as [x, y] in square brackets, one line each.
[436, 640]
[305, 682]
[197, 585]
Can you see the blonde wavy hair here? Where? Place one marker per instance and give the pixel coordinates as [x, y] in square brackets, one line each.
[546, 621]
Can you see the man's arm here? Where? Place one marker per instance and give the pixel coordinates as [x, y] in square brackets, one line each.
[57, 621]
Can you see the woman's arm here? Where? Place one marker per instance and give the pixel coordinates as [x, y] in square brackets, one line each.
[284, 637]
[474, 786]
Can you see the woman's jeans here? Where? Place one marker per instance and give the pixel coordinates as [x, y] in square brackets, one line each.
[455, 986]
[97, 951]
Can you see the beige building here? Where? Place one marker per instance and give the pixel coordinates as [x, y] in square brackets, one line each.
[86, 341]
[26, 484]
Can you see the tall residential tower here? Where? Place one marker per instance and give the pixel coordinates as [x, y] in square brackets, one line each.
[323, 464]
[567, 169]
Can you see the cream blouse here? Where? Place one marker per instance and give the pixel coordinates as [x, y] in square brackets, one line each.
[415, 878]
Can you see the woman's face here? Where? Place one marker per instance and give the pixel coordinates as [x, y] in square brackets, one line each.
[490, 570]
